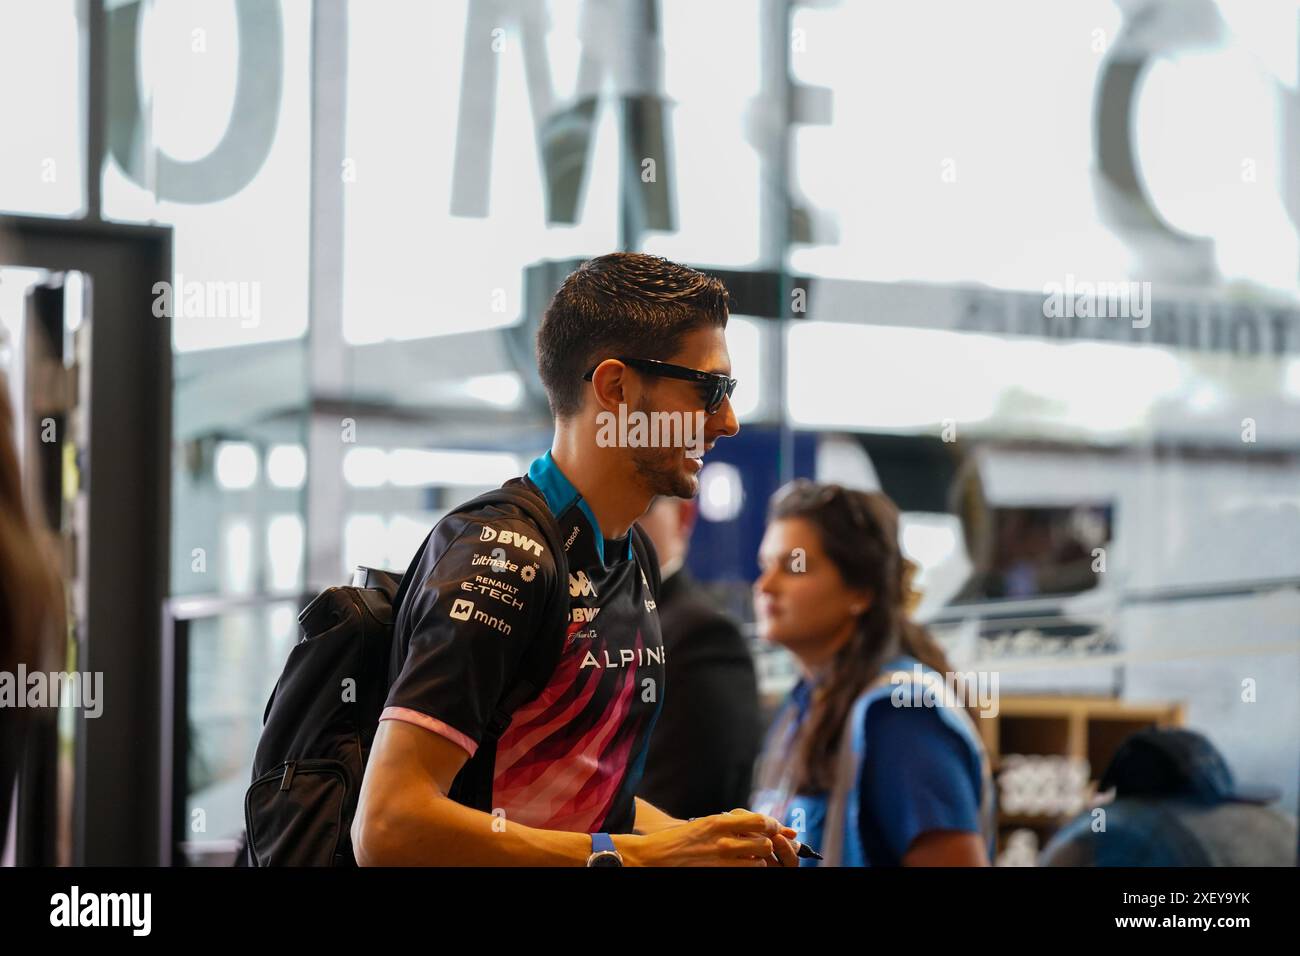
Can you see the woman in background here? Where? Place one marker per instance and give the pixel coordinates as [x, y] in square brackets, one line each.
[866, 782]
[31, 604]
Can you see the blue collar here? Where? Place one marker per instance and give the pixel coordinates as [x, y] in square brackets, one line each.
[560, 496]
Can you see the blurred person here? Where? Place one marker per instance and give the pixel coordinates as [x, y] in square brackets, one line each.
[624, 331]
[31, 607]
[1175, 803]
[864, 780]
[701, 756]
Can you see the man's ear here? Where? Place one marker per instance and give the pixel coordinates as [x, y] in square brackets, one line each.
[610, 382]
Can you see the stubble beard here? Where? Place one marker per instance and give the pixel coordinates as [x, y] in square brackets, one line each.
[659, 472]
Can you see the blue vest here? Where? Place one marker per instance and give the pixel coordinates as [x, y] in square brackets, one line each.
[836, 812]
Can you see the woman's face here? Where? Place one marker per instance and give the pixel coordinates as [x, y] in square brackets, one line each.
[800, 600]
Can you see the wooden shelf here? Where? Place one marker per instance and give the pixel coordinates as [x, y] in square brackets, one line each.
[1091, 728]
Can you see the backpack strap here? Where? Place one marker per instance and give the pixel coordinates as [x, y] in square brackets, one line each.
[473, 785]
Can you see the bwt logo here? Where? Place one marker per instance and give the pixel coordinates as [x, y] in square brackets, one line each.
[521, 541]
[580, 585]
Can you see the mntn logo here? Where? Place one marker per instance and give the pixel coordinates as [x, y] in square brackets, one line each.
[463, 610]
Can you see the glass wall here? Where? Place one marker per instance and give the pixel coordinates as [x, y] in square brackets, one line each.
[914, 204]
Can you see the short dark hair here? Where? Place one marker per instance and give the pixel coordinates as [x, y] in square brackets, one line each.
[624, 303]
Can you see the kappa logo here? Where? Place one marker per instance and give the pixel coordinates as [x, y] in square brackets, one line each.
[584, 615]
[580, 585]
[515, 538]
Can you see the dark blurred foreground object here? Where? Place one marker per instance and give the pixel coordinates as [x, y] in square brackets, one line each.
[702, 751]
[709, 730]
[31, 609]
[1176, 804]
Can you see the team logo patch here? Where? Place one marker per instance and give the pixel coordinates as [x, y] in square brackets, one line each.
[514, 538]
[497, 564]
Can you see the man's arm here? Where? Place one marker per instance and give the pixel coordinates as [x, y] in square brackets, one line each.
[405, 818]
[650, 819]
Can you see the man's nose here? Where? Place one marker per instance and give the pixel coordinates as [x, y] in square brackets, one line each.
[726, 419]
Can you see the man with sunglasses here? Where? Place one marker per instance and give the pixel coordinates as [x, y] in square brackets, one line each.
[624, 332]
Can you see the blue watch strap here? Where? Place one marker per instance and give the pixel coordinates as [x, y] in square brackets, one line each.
[601, 843]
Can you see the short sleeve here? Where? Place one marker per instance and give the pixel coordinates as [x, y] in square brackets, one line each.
[918, 775]
[474, 604]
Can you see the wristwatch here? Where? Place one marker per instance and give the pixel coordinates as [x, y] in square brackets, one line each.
[603, 852]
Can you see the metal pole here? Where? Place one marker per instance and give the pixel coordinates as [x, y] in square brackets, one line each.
[94, 42]
[326, 352]
[774, 211]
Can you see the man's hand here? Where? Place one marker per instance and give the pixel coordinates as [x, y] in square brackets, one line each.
[785, 851]
[738, 838]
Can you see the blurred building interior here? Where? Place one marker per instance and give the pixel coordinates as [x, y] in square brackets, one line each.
[364, 208]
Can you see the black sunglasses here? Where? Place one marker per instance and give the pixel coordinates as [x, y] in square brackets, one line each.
[719, 387]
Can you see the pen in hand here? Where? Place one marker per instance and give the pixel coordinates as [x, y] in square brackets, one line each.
[806, 852]
[803, 851]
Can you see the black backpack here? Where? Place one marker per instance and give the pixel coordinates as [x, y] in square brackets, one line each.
[317, 729]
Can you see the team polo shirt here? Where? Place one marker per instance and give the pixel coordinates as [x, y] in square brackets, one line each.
[571, 758]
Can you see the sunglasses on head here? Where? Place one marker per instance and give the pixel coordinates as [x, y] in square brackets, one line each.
[715, 387]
